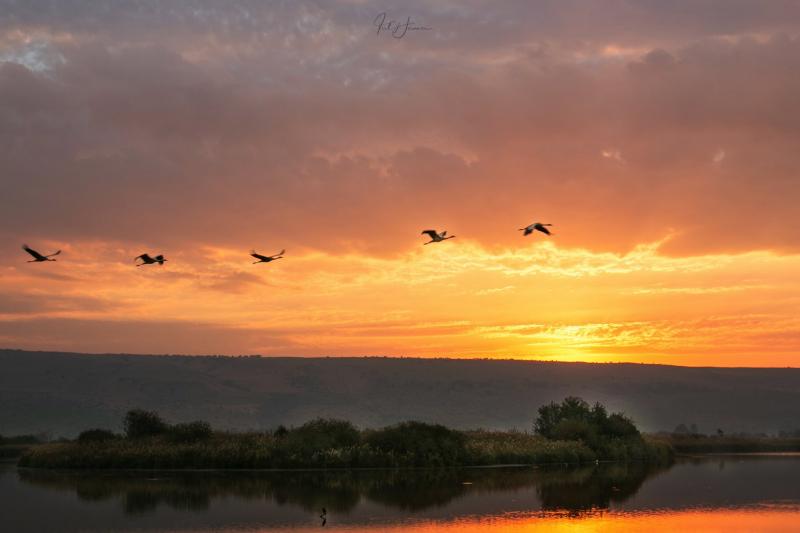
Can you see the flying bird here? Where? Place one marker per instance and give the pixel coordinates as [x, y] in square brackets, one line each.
[37, 257]
[536, 226]
[147, 260]
[436, 237]
[266, 258]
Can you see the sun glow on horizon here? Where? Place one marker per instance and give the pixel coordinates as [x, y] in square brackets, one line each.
[455, 299]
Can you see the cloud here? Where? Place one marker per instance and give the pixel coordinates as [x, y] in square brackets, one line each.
[457, 299]
[616, 155]
[199, 126]
[123, 336]
[120, 133]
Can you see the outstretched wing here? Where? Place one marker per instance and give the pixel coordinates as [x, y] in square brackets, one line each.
[144, 257]
[54, 254]
[279, 253]
[258, 256]
[543, 229]
[430, 233]
[36, 255]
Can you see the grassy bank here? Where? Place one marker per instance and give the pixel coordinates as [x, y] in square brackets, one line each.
[699, 444]
[149, 442]
[264, 450]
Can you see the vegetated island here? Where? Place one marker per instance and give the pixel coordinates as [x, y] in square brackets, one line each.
[568, 432]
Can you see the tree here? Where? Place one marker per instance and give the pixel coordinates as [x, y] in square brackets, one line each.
[420, 443]
[96, 435]
[322, 434]
[140, 423]
[191, 432]
[550, 415]
[619, 425]
[573, 419]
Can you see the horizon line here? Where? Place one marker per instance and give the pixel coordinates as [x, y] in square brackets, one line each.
[398, 357]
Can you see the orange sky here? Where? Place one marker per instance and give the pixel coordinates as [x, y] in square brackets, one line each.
[661, 141]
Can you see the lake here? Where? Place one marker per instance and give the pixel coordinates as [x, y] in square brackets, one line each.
[712, 493]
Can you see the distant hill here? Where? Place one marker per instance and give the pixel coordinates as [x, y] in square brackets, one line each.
[63, 393]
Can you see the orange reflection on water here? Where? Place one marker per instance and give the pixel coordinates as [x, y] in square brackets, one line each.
[762, 519]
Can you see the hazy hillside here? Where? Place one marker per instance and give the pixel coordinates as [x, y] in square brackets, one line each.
[64, 393]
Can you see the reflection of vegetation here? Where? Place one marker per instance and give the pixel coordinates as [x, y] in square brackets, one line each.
[410, 490]
[569, 433]
[585, 489]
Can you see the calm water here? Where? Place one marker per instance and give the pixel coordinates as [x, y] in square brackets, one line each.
[732, 493]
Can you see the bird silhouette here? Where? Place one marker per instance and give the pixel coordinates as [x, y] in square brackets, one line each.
[147, 260]
[536, 226]
[436, 237]
[266, 258]
[37, 257]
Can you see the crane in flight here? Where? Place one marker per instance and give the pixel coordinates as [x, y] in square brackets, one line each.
[436, 237]
[536, 226]
[37, 257]
[266, 258]
[147, 260]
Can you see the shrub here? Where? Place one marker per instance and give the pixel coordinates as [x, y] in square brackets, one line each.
[420, 444]
[96, 435]
[192, 432]
[322, 434]
[140, 423]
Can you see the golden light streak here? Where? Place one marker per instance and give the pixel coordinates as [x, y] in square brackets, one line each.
[455, 299]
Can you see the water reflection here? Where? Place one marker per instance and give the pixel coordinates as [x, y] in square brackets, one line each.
[572, 489]
[730, 492]
[592, 488]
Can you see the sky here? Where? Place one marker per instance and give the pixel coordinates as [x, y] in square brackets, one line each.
[661, 140]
